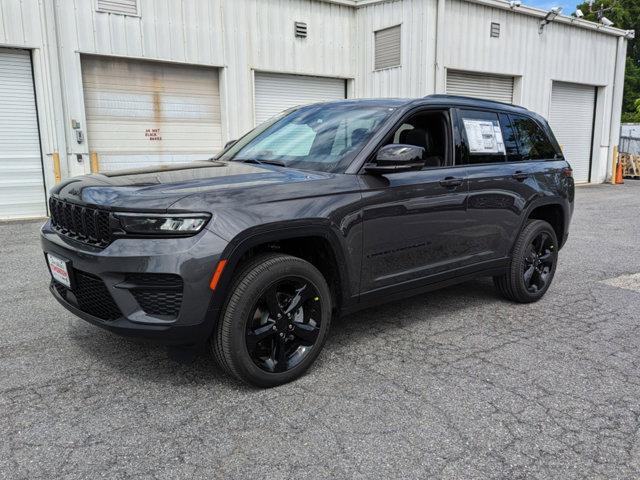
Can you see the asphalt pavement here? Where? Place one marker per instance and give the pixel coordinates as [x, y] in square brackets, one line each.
[454, 384]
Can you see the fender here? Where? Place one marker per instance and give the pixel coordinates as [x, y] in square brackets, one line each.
[261, 234]
[541, 202]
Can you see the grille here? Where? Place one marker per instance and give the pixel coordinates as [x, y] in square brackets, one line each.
[157, 293]
[159, 303]
[85, 224]
[90, 295]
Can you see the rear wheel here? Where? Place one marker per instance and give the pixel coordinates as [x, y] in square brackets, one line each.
[533, 264]
[275, 321]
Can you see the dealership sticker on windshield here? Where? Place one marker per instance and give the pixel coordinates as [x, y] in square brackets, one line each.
[59, 270]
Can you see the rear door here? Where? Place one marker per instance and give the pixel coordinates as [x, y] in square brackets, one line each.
[501, 176]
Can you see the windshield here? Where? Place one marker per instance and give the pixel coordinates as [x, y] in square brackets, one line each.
[318, 137]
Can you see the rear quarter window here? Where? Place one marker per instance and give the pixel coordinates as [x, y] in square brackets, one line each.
[533, 142]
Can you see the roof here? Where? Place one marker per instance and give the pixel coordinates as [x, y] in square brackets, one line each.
[523, 10]
[437, 100]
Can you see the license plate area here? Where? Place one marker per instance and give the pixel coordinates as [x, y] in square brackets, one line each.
[60, 270]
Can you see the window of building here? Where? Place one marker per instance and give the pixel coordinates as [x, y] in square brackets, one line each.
[533, 143]
[387, 43]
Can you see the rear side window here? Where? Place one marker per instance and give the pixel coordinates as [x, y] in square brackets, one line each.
[533, 143]
[483, 137]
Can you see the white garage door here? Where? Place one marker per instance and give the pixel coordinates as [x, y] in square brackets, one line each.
[22, 192]
[571, 118]
[471, 84]
[143, 113]
[276, 92]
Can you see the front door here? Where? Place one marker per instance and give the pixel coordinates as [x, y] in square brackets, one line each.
[413, 221]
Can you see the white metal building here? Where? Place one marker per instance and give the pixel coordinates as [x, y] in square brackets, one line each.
[132, 82]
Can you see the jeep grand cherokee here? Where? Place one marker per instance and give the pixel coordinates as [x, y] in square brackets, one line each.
[321, 211]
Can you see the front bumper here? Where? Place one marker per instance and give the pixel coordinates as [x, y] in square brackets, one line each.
[191, 259]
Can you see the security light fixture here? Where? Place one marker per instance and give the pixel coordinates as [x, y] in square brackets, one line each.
[606, 22]
[579, 13]
[515, 3]
[549, 17]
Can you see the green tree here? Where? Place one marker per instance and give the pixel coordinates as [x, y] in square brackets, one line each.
[624, 14]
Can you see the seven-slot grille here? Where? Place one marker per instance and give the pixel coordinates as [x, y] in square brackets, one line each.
[85, 224]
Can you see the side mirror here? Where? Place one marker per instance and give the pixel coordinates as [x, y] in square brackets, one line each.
[230, 143]
[397, 158]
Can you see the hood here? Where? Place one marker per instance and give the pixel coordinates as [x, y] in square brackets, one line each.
[157, 188]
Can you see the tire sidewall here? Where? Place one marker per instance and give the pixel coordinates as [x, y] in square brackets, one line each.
[532, 230]
[240, 313]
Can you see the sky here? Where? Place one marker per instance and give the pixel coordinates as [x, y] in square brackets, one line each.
[568, 7]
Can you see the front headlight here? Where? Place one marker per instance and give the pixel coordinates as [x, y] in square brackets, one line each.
[170, 224]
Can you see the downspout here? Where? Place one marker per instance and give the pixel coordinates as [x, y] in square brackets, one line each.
[439, 74]
[616, 107]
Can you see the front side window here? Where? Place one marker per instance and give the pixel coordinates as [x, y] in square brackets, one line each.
[533, 143]
[428, 129]
[317, 137]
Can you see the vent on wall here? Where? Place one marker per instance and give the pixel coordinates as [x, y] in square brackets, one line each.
[495, 30]
[301, 29]
[121, 7]
[387, 48]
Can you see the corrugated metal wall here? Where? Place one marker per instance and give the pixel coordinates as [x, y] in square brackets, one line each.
[561, 53]
[257, 34]
[243, 36]
[415, 78]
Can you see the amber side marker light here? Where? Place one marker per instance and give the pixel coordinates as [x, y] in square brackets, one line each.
[217, 274]
[567, 172]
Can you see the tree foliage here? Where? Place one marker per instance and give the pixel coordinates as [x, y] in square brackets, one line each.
[624, 14]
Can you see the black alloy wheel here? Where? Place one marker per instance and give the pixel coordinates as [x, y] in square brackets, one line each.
[274, 322]
[532, 264]
[539, 263]
[284, 325]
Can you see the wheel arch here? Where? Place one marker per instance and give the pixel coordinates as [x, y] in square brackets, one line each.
[315, 242]
[552, 211]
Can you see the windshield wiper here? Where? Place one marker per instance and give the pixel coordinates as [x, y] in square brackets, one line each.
[260, 162]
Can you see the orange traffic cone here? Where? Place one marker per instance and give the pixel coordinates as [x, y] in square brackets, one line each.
[619, 179]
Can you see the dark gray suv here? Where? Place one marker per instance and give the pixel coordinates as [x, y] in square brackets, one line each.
[323, 210]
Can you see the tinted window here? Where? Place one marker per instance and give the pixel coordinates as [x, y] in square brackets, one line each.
[510, 138]
[483, 137]
[533, 143]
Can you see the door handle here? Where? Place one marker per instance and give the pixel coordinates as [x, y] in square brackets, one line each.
[450, 182]
[520, 176]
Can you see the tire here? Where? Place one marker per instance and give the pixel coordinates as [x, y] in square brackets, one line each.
[526, 256]
[245, 305]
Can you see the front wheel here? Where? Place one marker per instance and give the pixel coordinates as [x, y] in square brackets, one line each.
[275, 321]
[533, 264]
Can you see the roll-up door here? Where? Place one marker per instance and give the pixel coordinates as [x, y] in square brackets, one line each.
[571, 118]
[480, 85]
[275, 92]
[22, 192]
[141, 113]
